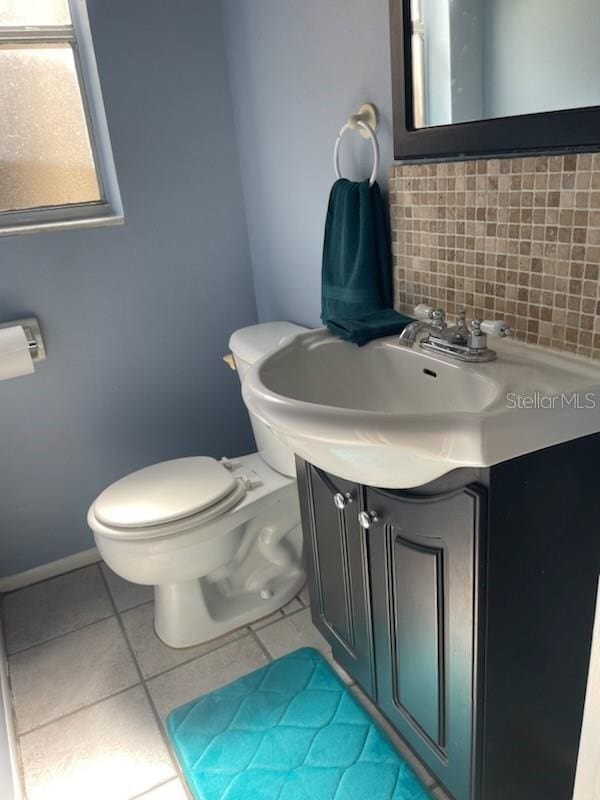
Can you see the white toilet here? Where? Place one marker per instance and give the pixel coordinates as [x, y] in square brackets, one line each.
[220, 541]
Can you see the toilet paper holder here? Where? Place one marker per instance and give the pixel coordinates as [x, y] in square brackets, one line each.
[35, 340]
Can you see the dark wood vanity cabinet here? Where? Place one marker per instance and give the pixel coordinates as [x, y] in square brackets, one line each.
[466, 611]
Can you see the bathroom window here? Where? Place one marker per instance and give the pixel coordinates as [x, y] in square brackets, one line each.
[56, 165]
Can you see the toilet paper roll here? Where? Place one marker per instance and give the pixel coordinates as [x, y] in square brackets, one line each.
[15, 358]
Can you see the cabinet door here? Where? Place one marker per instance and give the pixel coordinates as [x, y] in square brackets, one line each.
[424, 568]
[336, 551]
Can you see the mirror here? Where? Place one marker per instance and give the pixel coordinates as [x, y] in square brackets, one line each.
[526, 68]
[484, 59]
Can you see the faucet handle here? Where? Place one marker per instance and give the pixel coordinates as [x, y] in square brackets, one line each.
[438, 318]
[496, 327]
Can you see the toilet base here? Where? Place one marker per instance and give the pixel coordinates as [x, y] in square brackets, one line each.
[184, 615]
[213, 576]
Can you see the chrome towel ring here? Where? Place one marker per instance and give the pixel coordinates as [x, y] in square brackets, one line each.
[365, 123]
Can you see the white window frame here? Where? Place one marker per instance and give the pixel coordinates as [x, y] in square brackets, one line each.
[109, 210]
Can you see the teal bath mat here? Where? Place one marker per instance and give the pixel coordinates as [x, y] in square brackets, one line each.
[289, 731]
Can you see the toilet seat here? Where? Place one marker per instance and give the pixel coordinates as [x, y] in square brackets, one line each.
[166, 498]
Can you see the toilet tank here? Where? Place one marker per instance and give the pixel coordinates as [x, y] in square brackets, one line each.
[248, 345]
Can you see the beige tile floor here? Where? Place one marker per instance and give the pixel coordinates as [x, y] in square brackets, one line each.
[92, 684]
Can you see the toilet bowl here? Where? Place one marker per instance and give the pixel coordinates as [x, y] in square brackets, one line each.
[220, 541]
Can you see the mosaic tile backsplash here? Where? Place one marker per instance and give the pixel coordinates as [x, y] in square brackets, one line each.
[515, 239]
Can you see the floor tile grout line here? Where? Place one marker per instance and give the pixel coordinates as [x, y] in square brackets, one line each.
[148, 695]
[19, 733]
[136, 606]
[258, 626]
[59, 636]
[197, 657]
[3, 595]
[146, 792]
[95, 565]
[167, 742]
[259, 642]
[247, 628]
[283, 616]
[23, 734]
[13, 708]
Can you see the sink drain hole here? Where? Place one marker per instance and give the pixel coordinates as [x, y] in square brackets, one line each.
[430, 372]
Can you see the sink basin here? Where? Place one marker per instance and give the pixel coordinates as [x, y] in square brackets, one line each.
[386, 415]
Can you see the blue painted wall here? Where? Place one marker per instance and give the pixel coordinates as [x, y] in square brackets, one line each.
[136, 318]
[298, 69]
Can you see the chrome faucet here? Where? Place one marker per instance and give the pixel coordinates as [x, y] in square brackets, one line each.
[436, 325]
[461, 341]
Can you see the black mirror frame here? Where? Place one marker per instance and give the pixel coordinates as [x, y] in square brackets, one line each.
[549, 132]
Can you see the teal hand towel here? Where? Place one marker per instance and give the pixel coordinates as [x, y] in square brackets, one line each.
[361, 330]
[356, 277]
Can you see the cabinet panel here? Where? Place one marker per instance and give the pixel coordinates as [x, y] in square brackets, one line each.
[424, 553]
[337, 567]
[418, 622]
[336, 600]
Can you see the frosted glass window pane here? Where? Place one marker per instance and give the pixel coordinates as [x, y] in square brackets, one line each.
[20, 13]
[46, 158]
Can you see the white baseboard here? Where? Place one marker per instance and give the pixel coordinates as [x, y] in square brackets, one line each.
[587, 782]
[10, 777]
[45, 571]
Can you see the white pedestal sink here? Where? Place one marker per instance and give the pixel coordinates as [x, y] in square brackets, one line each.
[389, 416]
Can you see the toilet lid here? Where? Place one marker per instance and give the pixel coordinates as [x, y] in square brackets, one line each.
[164, 492]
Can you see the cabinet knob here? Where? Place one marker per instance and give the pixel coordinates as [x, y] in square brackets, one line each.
[367, 518]
[342, 500]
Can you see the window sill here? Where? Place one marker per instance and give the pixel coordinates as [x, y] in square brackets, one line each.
[100, 221]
